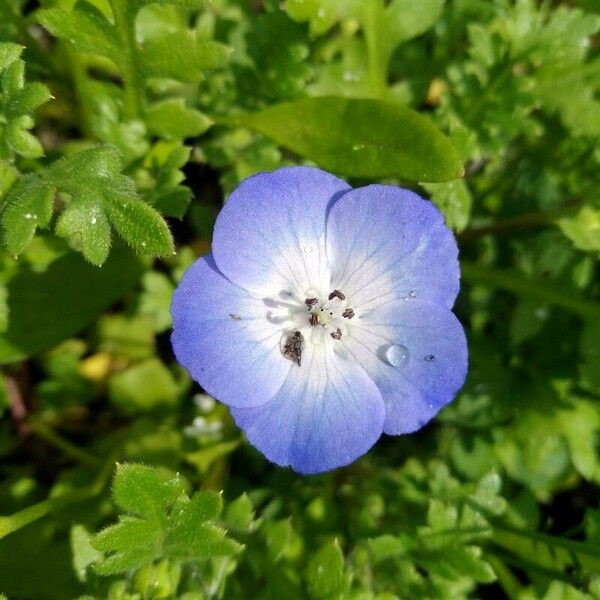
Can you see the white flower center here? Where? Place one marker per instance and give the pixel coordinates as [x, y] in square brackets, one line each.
[316, 318]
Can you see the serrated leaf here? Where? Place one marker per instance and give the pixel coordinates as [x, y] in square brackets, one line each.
[99, 193]
[9, 52]
[173, 120]
[28, 206]
[41, 305]
[85, 224]
[325, 572]
[17, 100]
[239, 514]
[359, 137]
[139, 225]
[141, 491]
[182, 56]
[387, 546]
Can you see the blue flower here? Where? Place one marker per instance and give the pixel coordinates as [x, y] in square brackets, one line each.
[323, 315]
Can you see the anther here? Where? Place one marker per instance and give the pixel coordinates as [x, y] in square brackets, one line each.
[348, 313]
[337, 334]
[313, 319]
[311, 301]
[337, 294]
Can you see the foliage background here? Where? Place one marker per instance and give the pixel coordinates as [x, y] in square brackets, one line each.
[123, 126]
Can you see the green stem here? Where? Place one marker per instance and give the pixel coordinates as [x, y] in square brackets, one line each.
[377, 52]
[518, 284]
[11, 523]
[509, 583]
[69, 449]
[133, 86]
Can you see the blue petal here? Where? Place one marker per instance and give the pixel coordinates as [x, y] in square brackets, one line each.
[222, 337]
[326, 415]
[433, 346]
[386, 243]
[270, 235]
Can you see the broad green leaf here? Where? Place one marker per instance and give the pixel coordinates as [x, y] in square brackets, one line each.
[155, 300]
[147, 386]
[28, 206]
[407, 19]
[85, 28]
[358, 138]
[42, 306]
[182, 56]
[239, 514]
[325, 572]
[172, 119]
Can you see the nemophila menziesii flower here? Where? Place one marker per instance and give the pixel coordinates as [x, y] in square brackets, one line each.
[323, 315]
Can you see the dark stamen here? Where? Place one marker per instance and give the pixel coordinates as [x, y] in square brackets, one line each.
[348, 313]
[313, 319]
[311, 301]
[337, 294]
[337, 334]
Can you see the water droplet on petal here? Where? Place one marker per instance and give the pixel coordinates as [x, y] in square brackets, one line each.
[307, 249]
[413, 293]
[396, 355]
[430, 358]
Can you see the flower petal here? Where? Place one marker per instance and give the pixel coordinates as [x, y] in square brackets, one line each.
[270, 235]
[386, 243]
[326, 415]
[222, 337]
[416, 353]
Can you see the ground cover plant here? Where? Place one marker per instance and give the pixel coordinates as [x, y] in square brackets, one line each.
[124, 127]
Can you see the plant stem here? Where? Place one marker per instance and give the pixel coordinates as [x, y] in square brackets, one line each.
[377, 54]
[69, 449]
[516, 283]
[11, 523]
[133, 86]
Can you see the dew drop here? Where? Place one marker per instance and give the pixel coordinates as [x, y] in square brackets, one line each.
[413, 293]
[358, 147]
[308, 249]
[430, 358]
[93, 220]
[396, 355]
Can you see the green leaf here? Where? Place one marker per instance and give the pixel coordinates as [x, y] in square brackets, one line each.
[325, 572]
[18, 100]
[42, 305]
[583, 229]
[99, 195]
[155, 300]
[407, 19]
[28, 206]
[172, 119]
[9, 53]
[454, 199]
[358, 138]
[147, 386]
[84, 554]
[172, 527]
[182, 56]
[140, 490]
[85, 28]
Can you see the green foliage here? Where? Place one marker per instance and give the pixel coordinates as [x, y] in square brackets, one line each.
[124, 125]
[18, 100]
[385, 140]
[163, 523]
